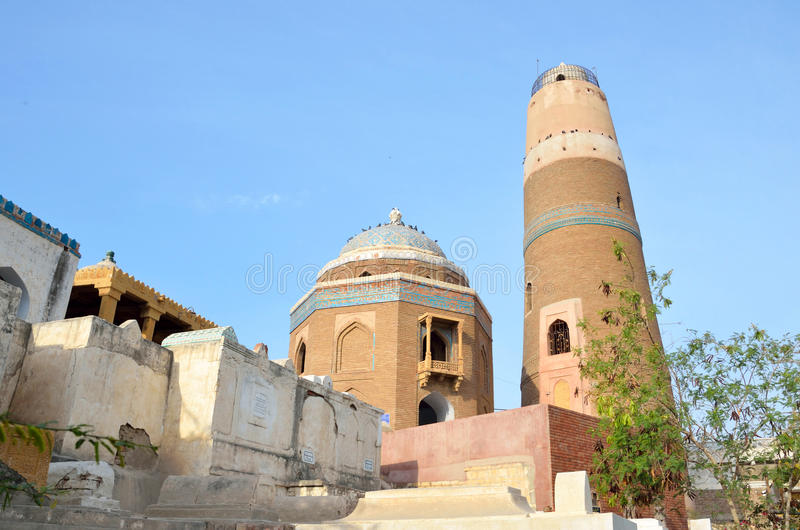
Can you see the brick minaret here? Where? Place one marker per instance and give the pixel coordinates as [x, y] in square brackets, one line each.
[577, 199]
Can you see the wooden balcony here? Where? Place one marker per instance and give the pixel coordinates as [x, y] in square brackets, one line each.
[441, 371]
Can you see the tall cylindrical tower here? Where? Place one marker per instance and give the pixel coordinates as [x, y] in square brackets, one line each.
[577, 200]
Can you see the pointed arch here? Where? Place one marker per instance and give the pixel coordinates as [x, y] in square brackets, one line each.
[434, 408]
[353, 347]
[300, 358]
[558, 337]
[561, 394]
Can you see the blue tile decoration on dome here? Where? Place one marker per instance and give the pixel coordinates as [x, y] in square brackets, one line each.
[393, 234]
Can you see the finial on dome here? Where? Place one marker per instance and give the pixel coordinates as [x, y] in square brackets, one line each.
[396, 217]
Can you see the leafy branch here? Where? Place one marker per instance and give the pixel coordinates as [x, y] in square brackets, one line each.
[40, 436]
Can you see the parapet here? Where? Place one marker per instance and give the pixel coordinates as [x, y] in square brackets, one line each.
[37, 226]
[564, 72]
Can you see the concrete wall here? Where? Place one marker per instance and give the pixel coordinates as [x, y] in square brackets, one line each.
[42, 268]
[13, 342]
[86, 370]
[231, 411]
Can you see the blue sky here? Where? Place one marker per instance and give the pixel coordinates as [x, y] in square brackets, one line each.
[198, 139]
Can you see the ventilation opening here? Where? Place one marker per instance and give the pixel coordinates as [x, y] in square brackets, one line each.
[364, 274]
[560, 77]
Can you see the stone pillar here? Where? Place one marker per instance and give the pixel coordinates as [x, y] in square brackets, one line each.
[150, 316]
[108, 302]
[428, 325]
[460, 346]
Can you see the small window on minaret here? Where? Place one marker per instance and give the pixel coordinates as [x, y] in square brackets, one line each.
[528, 297]
[364, 274]
[558, 337]
[619, 202]
[560, 77]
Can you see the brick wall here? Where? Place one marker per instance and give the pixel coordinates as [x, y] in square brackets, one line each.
[555, 440]
[388, 378]
[571, 449]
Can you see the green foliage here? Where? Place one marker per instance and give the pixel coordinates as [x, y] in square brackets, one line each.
[730, 408]
[639, 458]
[37, 436]
[738, 401]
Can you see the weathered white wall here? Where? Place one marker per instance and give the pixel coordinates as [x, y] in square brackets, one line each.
[14, 335]
[45, 269]
[232, 411]
[86, 370]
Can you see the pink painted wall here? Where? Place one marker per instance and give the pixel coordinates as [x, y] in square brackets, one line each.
[439, 452]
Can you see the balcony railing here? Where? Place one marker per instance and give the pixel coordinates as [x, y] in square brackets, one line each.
[441, 370]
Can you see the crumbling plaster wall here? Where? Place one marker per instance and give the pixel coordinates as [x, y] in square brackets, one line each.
[86, 370]
[14, 335]
[231, 411]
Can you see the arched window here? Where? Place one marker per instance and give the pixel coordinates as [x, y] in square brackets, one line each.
[528, 297]
[438, 347]
[301, 358]
[364, 274]
[558, 337]
[485, 362]
[353, 348]
[560, 77]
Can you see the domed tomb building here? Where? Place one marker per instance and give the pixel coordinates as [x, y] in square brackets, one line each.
[395, 323]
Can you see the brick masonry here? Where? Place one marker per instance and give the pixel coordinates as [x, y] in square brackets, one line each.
[385, 373]
[555, 440]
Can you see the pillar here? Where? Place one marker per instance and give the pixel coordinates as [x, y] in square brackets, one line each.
[108, 303]
[150, 316]
[428, 326]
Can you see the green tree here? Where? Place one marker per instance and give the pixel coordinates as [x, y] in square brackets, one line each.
[12, 483]
[738, 403]
[639, 457]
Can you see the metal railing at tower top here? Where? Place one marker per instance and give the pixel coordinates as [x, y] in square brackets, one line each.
[564, 72]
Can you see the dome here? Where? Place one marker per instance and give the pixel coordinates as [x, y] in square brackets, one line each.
[393, 235]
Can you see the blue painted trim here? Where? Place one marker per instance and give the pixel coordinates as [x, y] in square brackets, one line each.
[384, 291]
[34, 224]
[580, 214]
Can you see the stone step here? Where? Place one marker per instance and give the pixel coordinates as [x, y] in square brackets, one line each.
[470, 508]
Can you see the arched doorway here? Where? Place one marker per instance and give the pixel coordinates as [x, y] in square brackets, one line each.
[435, 409]
[9, 275]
